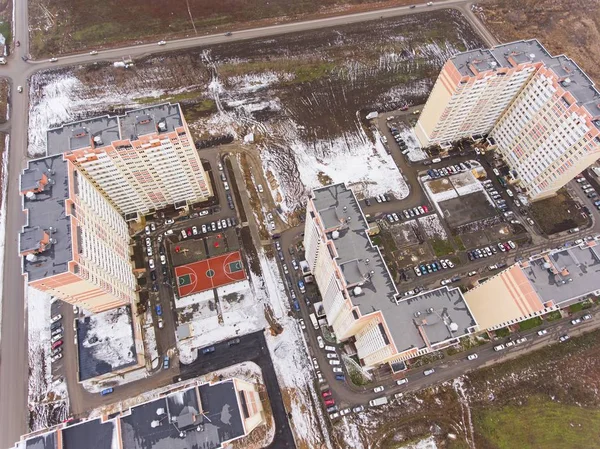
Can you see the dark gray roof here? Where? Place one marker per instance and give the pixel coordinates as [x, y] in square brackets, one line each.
[77, 135]
[90, 363]
[579, 84]
[217, 419]
[362, 263]
[47, 210]
[442, 314]
[92, 434]
[139, 122]
[573, 273]
[45, 441]
[144, 121]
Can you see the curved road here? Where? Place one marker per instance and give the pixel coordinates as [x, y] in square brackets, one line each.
[13, 350]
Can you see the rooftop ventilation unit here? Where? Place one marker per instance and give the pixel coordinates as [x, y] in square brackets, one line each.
[154, 424]
[335, 235]
[162, 126]
[30, 196]
[97, 140]
[453, 327]
[357, 291]
[31, 258]
[566, 82]
[160, 411]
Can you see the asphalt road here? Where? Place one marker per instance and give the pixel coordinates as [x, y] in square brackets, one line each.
[252, 347]
[13, 366]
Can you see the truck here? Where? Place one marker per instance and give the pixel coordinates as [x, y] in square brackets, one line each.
[313, 320]
[379, 401]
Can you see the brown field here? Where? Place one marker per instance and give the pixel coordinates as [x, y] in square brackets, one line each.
[571, 27]
[546, 399]
[62, 26]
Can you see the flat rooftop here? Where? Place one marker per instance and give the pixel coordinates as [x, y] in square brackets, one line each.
[359, 261]
[208, 415]
[565, 275]
[46, 216]
[532, 51]
[215, 412]
[103, 130]
[105, 342]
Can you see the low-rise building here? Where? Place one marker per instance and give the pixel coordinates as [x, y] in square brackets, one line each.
[360, 300]
[207, 416]
[538, 285]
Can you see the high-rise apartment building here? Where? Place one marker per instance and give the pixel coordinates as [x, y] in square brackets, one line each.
[541, 111]
[75, 245]
[142, 161]
[361, 302]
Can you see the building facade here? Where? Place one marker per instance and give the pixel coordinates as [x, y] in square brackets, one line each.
[541, 112]
[75, 245]
[142, 161]
[361, 302]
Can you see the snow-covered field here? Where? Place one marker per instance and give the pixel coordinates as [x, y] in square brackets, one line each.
[48, 399]
[115, 337]
[241, 312]
[432, 226]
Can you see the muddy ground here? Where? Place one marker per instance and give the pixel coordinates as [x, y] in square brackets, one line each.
[303, 96]
[571, 27]
[59, 26]
[547, 399]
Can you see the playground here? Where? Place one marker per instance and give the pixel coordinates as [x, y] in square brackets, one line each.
[209, 273]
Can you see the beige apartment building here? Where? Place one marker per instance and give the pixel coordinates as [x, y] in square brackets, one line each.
[361, 302]
[75, 245]
[541, 111]
[142, 161]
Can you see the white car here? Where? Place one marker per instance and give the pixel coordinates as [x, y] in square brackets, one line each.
[401, 381]
[148, 242]
[428, 372]
[53, 59]
[194, 230]
[320, 342]
[563, 338]
[151, 263]
[358, 408]
[337, 369]
[330, 348]
[542, 332]
[56, 338]
[345, 411]
[334, 362]
[472, 356]
[417, 271]
[378, 389]
[315, 363]
[498, 348]
[93, 52]
[521, 340]
[55, 318]
[20, 89]
[260, 188]
[162, 43]
[57, 357]
[445, 281]
[576, 321]
[332, 355]
[450, 263]
[203, 213]
[472, 273]
[163, 259]
[302, 325]
[204, 229]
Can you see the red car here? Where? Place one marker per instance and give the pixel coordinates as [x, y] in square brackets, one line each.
[189, 232]
[425, 209]
[329, 402]
[507, 246]
[57, 344]
[326, 393]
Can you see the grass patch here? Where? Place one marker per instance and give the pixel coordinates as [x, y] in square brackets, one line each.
[553, 316]
[459, 243]
[577, 307]
[548, 424]
[530, 323]
[503, 332]
[441, 247]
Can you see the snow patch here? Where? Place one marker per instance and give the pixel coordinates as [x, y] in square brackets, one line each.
[432, 226]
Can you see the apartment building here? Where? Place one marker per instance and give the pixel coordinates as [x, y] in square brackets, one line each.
[202, 416]
[545, 282]
[361, 302]
[142, 161]
[541, 111]
[75, 244]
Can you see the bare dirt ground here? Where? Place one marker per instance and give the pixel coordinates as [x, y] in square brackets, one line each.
[62, 26]
[303, 97]
[571, 27]
[547, 399]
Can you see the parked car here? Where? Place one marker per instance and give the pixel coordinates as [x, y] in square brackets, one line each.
[106, 391]
[334, 362]
[320, 342]
[166, 362]
[576, 321]
[208, 350]
[235, 341]
[542, 332]
[401, 381]
[302, 325]
[428, 372]
[56, 318]
[563, 338]
[378, 389]
[326, 393]
[57, 344]
[158, 309]
[586, 317]
[329, 402]
[472, 356]
[332, 355]
[499, 348]
[337, 369]
[358, 408]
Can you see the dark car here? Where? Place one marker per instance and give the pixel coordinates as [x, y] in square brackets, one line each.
[164, 270]
[235, 341]
[155, 287]
[208, 350]
[161, 250]
[296, 305]
[153, 275]
[367, 201]
[340, 377]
